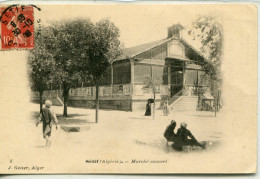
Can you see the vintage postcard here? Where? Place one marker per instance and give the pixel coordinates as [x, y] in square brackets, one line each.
[128, 88]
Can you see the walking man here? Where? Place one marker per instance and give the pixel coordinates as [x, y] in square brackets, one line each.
[47, 116]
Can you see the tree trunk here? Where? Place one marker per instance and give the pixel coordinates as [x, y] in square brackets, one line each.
[41, 102]
[65, 112]
[65, 98]
[97, 101]
[215, 104]
[215, 111]
[218, 101]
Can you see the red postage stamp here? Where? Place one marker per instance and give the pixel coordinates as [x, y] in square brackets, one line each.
[17, 27]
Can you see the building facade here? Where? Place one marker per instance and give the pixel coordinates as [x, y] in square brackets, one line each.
[171, 64]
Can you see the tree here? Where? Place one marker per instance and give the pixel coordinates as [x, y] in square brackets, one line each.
[210, 33]
[70, 42]
[104, 48]
[82, 51]
[41, 64]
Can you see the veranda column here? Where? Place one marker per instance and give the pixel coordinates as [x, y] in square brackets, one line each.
[169, 81]
[183, 79]
[132, 77]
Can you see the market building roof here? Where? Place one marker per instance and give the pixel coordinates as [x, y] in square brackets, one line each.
[174, 33]
[133, 51]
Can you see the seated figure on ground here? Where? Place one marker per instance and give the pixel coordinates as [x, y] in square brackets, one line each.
[184, 137]
[169, 132]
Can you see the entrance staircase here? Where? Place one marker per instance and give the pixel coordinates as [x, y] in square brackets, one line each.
[180, 102]
[185, 103]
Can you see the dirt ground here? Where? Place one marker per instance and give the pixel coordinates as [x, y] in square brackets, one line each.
[117, 135]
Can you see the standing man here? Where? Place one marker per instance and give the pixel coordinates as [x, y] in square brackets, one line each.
[47, 116]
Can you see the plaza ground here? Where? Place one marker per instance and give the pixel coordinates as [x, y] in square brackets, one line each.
[118, 135]
[130, 127]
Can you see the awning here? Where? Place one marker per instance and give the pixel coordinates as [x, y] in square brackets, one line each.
[179, 58]
[193, 66]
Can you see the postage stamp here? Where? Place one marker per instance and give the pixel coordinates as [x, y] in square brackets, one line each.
[17, 27]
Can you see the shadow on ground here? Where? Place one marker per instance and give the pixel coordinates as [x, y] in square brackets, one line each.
[141, 118]
[203, 115]
[161, 144]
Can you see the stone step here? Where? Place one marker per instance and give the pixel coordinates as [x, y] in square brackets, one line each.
[187, 103]
[190, 100]
[181, 103]
[178, 110]
[183, 106]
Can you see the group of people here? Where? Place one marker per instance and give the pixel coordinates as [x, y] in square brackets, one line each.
[166, 109]
[183, 137]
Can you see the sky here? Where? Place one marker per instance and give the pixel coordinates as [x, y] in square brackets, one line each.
[138, 24]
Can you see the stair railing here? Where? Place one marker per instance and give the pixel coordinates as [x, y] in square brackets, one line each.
[175, 97]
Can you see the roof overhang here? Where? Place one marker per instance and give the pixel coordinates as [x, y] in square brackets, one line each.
[185, 42]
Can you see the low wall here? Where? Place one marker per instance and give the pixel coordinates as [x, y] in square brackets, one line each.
[123, 105]
[115, 104]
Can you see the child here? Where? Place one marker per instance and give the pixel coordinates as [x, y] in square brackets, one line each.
[166, 109]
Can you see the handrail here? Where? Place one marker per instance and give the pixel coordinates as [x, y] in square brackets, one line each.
[173, 98]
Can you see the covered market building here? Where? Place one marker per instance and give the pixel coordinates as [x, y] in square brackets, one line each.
[172, 64]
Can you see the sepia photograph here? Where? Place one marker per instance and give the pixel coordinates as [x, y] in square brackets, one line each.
[128, 88]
